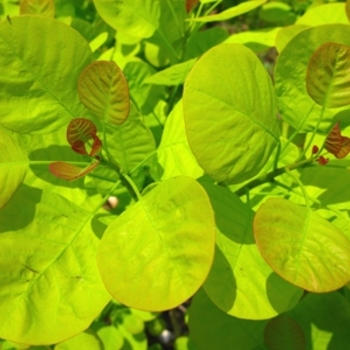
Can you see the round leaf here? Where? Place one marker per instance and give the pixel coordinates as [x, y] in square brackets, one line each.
[301, 246]
[104, 91]
[162, 246]
[230, 113]
[328, 75]
[38, 82]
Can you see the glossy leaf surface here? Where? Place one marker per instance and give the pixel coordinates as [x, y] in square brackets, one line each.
[37, 7]
[38, 83]
[301, 246]
[13, 167]
[230, 124]
[163, 245]
[328, 75]
[49, 274]
[70, 172]
[104, 91]
[240, 282]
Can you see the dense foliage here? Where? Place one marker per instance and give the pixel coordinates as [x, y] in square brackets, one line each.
[165, 184]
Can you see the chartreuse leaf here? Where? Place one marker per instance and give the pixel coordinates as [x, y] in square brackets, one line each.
[327, 74]
[286, 34]
[87, 340]
[283, 332]
[325, 320]
[112, 338]
[13, 167]
[163, 245]
[212, 329]
[301, 246]
[130, 143]
[232, 12]
[37, 7]
[230, 113]
[296, 106]
[240, 282]
[137, 18]
[104, 91]
[174, 154]
[51, 289]
[45, 97]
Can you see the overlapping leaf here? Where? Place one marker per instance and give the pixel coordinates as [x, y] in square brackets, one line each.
[37, 7]
[104, 91]
[328, 75]
[230, 123]
[167, 251]
[301, 246]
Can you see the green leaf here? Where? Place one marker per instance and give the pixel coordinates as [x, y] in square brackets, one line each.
[37, 7]
[301, 246]
[13, 165]
[276, 12]
[87, 340]
[231, 125]
[327, 75]
[286, 34]
[104, 91]
[232, 12]
[112, 338]
[240, 282]
[137, 18]
[49, 275]
[283, 332]
[167, 251]
[347, 9]
[38, 83]
[174, 154]
[296, 106]
[212, 329]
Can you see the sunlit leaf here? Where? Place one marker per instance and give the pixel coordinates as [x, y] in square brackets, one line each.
[337, 144]
[167, 251]
[283, 332]
[79, 132]
[301, 246]
[286, 34]
[70, 172]
[13, 167]
[37, 7]
[104, 91]
[328, 75]
[232, 12]
[231, 124]
[87, 340]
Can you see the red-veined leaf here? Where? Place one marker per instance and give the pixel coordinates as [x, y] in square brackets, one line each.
[337, 144]
[79, 132]
[70, 172]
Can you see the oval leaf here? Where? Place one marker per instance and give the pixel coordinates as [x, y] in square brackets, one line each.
[79, 132]
[13, 165]
[301, 246]
[70, 172]
[163, 245]
[104, 91]
[284, 333]
[37, 7]
[327, 76]
[230, 113]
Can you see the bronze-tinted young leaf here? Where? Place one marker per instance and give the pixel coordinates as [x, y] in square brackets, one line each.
[190, 4]
[337, 144]
[104, 91]
[282, 332]
[301, 246]
[37, 7]
[328, 75]
[70, 172]
[79, 132]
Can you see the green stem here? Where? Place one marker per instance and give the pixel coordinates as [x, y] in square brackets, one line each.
[132, 186]
[278, 152]
[306, 197]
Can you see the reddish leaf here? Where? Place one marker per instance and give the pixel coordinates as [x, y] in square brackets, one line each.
[337, 144]
[315, 149]
[70, 172]
[322, 160]
[79, 132]
[190, 4]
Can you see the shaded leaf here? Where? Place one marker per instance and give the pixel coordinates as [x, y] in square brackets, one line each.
[79, 132]
[190, 4]
[347, 9]
[37, 7]
[104, 91]
[167, 251]
[301, 246]
[284, 333]
[70, 172]
[328, 75]
[13, 167]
